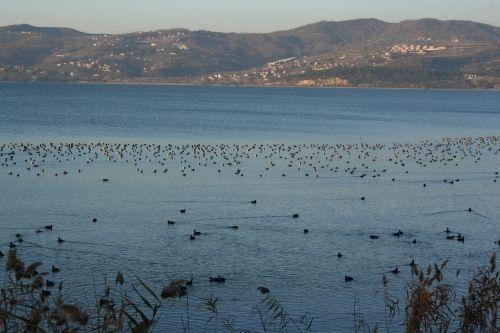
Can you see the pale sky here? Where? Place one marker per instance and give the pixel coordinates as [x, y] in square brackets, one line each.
[117, 16]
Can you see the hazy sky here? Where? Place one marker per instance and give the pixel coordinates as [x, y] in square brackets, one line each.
[113, 16]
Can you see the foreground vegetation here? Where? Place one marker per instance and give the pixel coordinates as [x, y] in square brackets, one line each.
[27, 304]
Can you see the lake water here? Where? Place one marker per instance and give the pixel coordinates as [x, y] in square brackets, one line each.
[292, 150]
[232, 114]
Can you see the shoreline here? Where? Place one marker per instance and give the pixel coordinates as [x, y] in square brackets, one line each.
[187, 84]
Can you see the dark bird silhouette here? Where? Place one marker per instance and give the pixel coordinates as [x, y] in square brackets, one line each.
[264, 290]
[218, 279]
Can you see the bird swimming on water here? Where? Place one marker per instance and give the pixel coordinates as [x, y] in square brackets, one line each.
[218, 279]
[399, 233]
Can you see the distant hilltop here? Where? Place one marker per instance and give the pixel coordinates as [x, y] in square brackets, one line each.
[426, 53]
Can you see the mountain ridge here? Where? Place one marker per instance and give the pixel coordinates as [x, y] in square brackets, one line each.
[199, 56]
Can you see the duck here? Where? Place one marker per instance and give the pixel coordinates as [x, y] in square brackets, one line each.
[182, 211]
[412, 263]
[12, 245]
[49, 284]
[49, 227]
[60, 240]
[374, 237]
[234, 227]
[55, 269]
[450, 237]
[191, 237]
[414, 241]
[264, 290]
[399, 233]
[253, 202]
[306, 231]
[461, 238]
[94, 220]
[295, 216]
[447, 230]
[395, 271]
[196, 233]
[170, 222]
[339, 255]
[348, 278]
[218, 279]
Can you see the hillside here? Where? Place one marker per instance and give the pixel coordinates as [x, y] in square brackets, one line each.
[364, 52]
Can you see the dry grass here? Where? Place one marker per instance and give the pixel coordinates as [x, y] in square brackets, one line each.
[429, 301]
[432, 306]
[478, 310]
[26, 305]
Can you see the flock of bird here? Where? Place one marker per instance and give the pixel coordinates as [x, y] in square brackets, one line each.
[300, 160]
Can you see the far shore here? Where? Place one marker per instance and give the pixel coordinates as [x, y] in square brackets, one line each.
[190, 84]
